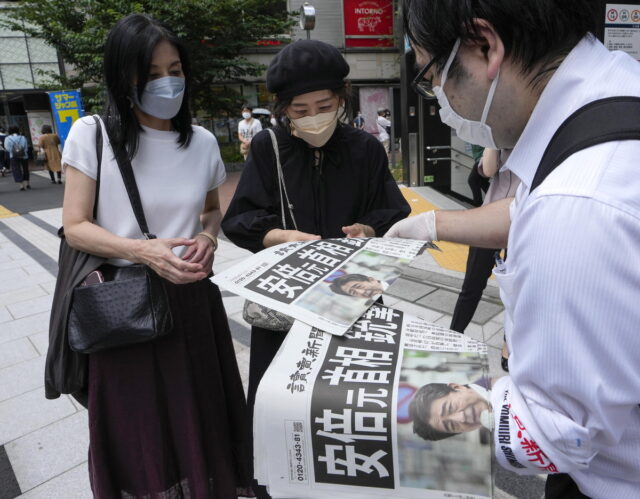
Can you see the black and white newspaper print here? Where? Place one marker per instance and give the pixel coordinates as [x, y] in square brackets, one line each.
[397, 407]
[327, 283]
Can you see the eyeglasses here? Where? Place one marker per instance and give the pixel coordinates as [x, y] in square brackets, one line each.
[424, 88]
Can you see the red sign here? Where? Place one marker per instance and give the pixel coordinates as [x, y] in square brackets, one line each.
[368, 23]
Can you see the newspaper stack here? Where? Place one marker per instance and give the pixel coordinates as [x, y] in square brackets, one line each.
[344, 416]
[362, 400]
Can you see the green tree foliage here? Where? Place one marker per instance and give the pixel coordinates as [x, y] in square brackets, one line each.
[215, 31]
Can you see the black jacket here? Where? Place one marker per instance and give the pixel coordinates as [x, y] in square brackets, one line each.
[352, 184]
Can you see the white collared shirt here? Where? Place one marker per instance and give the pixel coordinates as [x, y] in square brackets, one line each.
[571, 290]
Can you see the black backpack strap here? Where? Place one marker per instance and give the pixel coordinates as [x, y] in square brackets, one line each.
[129, 179]
[605, 120]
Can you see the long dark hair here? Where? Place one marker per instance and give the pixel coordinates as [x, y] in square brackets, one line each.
[127, 57]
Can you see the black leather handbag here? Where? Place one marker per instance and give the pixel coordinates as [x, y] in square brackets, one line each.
[130, 306]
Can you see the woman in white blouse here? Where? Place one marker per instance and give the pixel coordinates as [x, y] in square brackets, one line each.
[166, 417]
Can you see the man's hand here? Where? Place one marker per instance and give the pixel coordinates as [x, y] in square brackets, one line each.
[359, 230]
[421, 227]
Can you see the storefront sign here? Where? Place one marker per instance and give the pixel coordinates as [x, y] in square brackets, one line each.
[36, 120]
[368, 23]
[66, 107]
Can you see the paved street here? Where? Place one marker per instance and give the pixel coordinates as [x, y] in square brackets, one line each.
[43, 443]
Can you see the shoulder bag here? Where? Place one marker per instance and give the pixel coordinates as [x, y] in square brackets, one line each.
[66, 370]
[130, 306]
[254, 313]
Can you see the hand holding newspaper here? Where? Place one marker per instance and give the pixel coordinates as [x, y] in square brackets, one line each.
[327, 283]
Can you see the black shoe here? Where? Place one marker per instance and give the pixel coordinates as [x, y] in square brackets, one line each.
[53, 181]
[59, 181]
[22, 189]
[29, 187]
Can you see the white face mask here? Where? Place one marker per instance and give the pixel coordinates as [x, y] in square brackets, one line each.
[246, 116]
[162, 98]
[474, 132]
[316, 130]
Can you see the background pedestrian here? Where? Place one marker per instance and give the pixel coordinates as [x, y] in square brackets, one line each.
[18, 148]
[248, 127]
[49, 144]
[384, 129]
[4, 155]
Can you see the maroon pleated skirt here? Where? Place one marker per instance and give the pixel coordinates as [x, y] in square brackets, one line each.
[167, 419]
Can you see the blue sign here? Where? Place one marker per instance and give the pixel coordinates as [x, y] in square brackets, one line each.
[66, 107]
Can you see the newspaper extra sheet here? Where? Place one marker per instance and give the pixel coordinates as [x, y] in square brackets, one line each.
[327, 283]
[343, 416]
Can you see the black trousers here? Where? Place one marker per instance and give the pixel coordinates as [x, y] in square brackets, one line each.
[479, 266]
[478, 184]
[562, 486]
[20, 169]
[264, 346]
[59, 174]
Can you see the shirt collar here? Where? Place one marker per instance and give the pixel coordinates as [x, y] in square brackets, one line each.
[571, 87]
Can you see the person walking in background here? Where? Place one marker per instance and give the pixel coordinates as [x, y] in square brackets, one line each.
[4, 156]
[166, 417]
[384, 129]
[18, 148]
[49, 144]
[477, 183]
[337, 177]
[358, 121]
[247, 128]
[480, 261]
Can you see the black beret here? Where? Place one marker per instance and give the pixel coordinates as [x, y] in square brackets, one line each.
[306, 66]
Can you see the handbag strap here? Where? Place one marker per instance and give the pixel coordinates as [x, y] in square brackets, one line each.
[99, 156]
[129, 179]
[282, 187]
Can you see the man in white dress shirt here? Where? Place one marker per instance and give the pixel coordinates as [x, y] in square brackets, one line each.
[507, 75]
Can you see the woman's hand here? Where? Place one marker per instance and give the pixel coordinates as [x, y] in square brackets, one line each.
[279, 236]
[359, 230]
[157, 254]
[202, 252]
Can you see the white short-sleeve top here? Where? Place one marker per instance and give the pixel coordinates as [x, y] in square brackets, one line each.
[248, 130]
[173, 181]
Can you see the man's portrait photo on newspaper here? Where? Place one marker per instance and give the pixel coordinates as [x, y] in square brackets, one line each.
[353, 287]
[443, 414]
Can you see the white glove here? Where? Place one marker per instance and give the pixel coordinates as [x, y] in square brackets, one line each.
[421, 227]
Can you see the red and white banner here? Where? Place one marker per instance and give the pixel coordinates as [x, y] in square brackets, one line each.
[368, 23]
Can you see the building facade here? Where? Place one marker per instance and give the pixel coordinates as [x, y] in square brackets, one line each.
[24, 62]
[366, 32]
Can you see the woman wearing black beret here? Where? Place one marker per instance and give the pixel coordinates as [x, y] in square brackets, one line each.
[337, 177]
